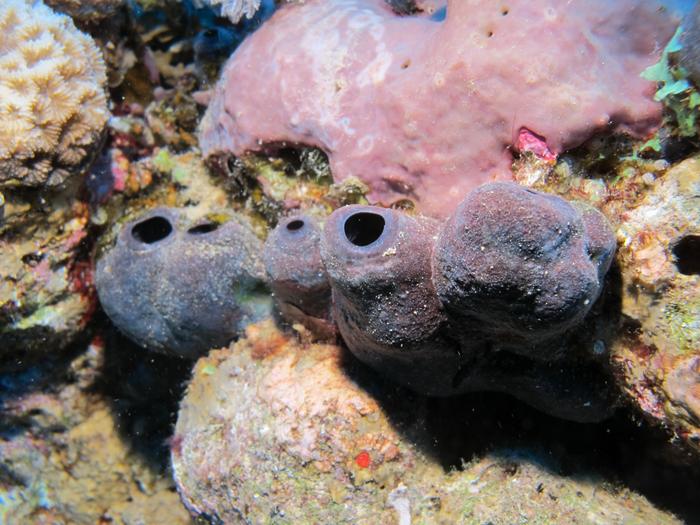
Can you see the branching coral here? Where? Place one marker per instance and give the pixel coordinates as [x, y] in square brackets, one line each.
[235, 10]
[52, 101]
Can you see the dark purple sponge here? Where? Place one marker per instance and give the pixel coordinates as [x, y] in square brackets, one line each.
[182, 286]
[298, 279]
[522, 265]
[378, 261]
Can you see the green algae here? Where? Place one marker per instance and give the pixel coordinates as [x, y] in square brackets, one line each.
[676, 92]
[683, 324]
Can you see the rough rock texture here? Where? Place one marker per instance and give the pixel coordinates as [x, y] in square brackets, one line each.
[427, 109]
[273, 431]
[52, 101]
[46, 294]
[658, 355]
[179, 284]
[65, 454]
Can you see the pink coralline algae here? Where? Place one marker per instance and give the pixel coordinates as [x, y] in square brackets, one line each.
[428, 109]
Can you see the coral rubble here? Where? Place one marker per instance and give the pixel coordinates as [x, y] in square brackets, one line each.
[183, 285]
[52, 101]
[426, 109]
[275, 431]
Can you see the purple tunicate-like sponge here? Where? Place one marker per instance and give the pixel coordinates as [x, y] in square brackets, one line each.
[522, 265]
[298, 279]
[385, 306]
[182, 287]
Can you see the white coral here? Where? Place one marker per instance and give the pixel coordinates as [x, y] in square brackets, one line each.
[53, 106]
[235, 10]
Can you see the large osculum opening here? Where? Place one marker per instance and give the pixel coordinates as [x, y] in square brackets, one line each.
[364, 228]
[152, 230]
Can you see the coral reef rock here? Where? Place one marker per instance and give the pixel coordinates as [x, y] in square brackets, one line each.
[271, 430]
[63, 453]
[52, 101]
[46, 293]
[183, 286]
[657, 356]
[428, 109]
[483, 302]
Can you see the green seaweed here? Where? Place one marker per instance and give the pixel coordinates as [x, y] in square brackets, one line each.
[675, 91]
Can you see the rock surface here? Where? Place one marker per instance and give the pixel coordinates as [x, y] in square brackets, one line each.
[65, 454]
[657, 355]
[275, 431]
[46, 293]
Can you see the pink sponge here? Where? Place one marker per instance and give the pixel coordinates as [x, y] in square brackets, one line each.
[428, 109]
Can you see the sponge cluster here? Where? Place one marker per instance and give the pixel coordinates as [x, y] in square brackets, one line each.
[53, 106]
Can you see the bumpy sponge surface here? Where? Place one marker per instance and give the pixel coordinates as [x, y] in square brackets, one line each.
[53, 106]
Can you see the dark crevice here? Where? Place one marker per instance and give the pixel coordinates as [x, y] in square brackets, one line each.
[152, 230]
[686, 253]
[364, 228]
[202, 229]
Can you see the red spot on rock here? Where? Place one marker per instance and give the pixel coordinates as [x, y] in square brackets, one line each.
[81, 282]
[529, 141]
[363, 459]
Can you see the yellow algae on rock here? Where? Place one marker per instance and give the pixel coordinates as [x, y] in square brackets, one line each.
[53, 106]
[657, 353]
